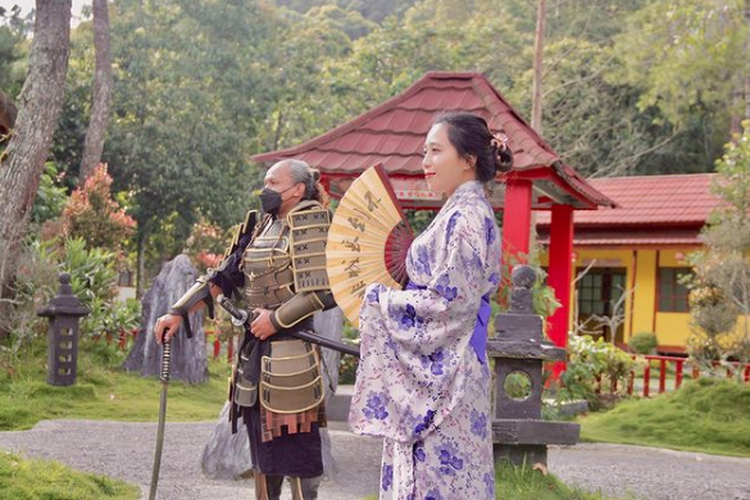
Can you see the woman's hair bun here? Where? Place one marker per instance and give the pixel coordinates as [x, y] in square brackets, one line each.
[503, 158]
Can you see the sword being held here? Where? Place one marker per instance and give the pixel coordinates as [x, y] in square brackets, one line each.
[241, 318]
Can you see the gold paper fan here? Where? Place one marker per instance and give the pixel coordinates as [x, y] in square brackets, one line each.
[367, 242]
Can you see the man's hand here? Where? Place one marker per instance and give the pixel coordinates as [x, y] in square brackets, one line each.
[167, 327]
[261, 326]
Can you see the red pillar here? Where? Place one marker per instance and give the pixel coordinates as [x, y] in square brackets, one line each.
[517, 220]
[560, 274]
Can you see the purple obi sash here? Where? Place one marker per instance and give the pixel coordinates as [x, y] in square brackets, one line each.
[479, 336]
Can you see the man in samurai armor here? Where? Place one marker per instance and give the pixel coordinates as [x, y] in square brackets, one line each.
[276, 263]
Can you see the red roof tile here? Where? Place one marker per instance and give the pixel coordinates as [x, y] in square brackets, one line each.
[649, 200]
[393, 133]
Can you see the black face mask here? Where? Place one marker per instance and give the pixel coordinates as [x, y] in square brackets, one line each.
[270, 201]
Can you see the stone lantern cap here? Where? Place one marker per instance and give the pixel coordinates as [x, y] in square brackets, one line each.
[64, 303]
[518, 333]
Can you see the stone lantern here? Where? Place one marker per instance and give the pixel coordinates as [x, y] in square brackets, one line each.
[64, 311]
[519, 350]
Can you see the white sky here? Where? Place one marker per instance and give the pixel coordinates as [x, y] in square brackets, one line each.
[27, 5]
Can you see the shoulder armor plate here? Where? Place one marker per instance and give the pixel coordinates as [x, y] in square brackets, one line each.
[308, 232]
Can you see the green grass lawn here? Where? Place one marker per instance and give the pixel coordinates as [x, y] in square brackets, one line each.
[22, 479]
[102, 391]
[523, 483]
[707, 415]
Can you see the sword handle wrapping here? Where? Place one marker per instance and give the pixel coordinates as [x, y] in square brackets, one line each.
[165, 360]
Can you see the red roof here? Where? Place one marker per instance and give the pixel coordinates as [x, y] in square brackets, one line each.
[393, 133]
[650, 200]
[657, 237]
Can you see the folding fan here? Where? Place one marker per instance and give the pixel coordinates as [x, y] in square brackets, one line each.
[367, 242]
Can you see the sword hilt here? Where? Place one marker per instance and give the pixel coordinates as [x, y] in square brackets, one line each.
[165, 360]
[239, 317]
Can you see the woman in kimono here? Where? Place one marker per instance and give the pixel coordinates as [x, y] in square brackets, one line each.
[423, 381]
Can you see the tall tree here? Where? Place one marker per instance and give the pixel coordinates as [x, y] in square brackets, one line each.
[99, 121]
[40, 103]
[536, 104]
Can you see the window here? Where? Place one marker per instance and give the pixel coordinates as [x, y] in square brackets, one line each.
[673, 296]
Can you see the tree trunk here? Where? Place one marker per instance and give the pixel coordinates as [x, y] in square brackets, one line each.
[40, 104]
[536, 105]
[99, 121]
[746, 15]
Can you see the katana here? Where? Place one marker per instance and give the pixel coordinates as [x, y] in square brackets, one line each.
[164, 377]
[241, 318]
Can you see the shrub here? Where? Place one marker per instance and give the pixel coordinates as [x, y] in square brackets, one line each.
[93, 279]
[92, 214]
[643, 343]
[590, 363]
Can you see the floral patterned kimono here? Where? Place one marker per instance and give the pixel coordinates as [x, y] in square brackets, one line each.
[423, 381]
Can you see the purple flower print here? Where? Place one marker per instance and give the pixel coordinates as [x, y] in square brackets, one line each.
[451, 225]
[375, 406]
[489, 484]
[409, 318]
[450, 462]
[489, 230]
[425, 423]
[434, 361]
[419, 454]
[443, 287]
[433, 495]
[479, 424]
[387, 480]
[422, 263]
[373, 296]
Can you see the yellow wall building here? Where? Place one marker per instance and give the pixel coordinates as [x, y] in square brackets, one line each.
[638, 250]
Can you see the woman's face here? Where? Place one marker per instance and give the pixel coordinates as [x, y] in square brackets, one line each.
[444, 169]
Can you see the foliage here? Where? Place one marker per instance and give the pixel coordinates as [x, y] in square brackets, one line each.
[707, 415]
[35, 284]
[206, 244]
[93, 279]
[92, 274]
[589, 364]
[102, 391]
[24, 479]
[13, 51]
[180, 137]
[720, 289]
[348, 364]
[643, 343]
[693, 79]
[92, 214]
[51, 197]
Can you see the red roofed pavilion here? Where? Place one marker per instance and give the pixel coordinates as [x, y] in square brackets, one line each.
[393, 134]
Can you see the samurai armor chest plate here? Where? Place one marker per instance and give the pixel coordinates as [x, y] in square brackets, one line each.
[267, 265]
[291, 380]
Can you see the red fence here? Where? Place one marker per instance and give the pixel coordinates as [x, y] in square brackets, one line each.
[126, 338]
[668, 368]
